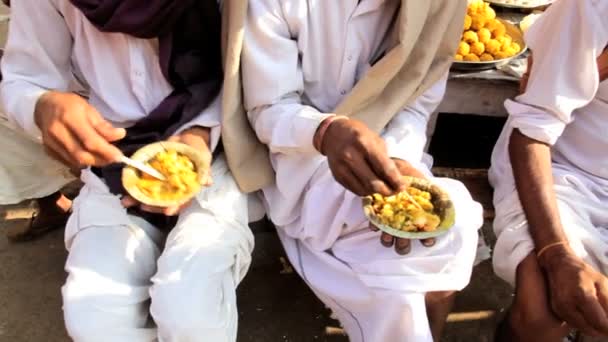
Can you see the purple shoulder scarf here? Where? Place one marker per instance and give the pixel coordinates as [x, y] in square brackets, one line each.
[190, 58]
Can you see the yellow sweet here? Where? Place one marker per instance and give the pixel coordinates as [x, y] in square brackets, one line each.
[467, 22]
[501, 55]
[474, 7]
[493, 47]
[486, 57]
[478, 48]
[488, 12]
[484, 35]
[478, 22]
[180, 172]
[516, 47]
[463, 49]
[505, 42]
[412, 212]
[470, 37]
[499, 30]
[471, 58]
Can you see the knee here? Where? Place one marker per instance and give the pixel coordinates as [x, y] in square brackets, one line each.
[80, 322]
[196, 299]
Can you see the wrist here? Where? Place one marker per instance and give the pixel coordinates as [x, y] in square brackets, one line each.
[322, 130]
[551, 256]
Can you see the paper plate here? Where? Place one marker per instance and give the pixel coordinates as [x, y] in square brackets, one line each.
[447, 215]
[130, 176]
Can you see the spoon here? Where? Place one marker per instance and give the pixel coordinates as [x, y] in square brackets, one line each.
[141, 167]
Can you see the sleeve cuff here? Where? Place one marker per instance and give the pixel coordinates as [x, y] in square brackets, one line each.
[308, 122]
[23, 114]
[534, 122]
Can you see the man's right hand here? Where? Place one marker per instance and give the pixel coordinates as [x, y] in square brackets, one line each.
[578, 293]
[74, 132]
[358, 159]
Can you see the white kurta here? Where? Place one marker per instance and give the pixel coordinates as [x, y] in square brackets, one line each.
[300, 58]
[565, 106]
[121, 269]
[26, 171]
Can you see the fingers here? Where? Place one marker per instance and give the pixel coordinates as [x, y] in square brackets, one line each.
[64, 142]
[169, 211]
[387, 240]
[373, 227]
[387, 170]
[369, 180]
[576, 319]
[594, 315]
[430, 242]
[348, 180]
[601, 289]
[128, 202]
[105, 128]
[403, 246]
[94, 144]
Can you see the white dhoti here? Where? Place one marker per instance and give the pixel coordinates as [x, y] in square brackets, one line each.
[377, 294]
[583, 208]
[128, 281]
[26, 171]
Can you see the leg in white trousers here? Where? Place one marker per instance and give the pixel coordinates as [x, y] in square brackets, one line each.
[123, 285]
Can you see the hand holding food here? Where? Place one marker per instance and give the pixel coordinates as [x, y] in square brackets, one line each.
[423, 210]
[185, 168]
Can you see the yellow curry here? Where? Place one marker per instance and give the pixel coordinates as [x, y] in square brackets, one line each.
[410, 211]
[180, 173]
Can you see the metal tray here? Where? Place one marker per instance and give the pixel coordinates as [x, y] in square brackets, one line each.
[518, 37]
[531, 5]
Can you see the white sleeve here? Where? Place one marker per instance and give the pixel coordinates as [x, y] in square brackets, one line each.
[211, 118]
[273, 82]
[565, 42]
[36, 59]
[405, 135]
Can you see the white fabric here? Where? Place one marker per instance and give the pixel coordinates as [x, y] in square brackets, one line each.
[50, 40]
[319, 50]
[118, 263]
[26, 172]
[566, 107]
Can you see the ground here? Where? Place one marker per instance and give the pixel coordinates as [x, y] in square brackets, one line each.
[273, 306]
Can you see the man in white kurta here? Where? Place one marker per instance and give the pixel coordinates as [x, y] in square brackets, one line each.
[300, 58]
[128, 280]
[552, 234]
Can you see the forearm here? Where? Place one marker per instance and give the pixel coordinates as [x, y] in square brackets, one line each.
[287, 127]
[531, 162]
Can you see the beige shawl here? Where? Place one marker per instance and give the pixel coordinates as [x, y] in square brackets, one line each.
[426, 36]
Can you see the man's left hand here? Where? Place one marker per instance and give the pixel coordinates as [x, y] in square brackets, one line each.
[403, 246]
[196, 137]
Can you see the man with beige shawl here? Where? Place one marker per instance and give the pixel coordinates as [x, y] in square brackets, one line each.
[341, 92]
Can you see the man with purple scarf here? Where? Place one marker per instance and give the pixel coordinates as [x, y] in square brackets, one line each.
[153, 71]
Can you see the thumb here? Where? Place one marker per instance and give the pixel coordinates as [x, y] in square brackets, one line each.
[104, 127]
[128, 202]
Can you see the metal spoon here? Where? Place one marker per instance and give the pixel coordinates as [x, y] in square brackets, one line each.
[141, 167]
